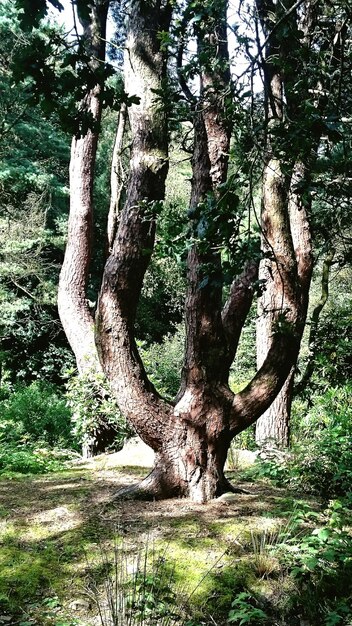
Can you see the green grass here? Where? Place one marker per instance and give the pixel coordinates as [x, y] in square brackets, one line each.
[56, 534]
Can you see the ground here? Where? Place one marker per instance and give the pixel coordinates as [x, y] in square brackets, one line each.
[58, 530]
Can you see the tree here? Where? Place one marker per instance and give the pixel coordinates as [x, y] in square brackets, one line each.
[311, 38]
[191, 435]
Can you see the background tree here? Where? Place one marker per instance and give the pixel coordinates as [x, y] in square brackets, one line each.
[314, 42]
[33, 204]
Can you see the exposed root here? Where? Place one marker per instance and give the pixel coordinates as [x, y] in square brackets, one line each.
[149, 489]
[227, 486]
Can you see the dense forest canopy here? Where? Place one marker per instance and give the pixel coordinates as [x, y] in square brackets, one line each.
[204, 179]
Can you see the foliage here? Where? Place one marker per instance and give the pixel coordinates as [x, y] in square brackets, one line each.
[334, 345]
[92, 406]
[31, 459]
[321, 563]
[321, 459]
[34, 155]
[35, 414]
[244, 612]
[163, 362]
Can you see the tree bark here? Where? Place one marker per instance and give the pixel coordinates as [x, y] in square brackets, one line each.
[191, 436]
[145, 73]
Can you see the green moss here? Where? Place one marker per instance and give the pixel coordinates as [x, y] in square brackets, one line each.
[25, 573]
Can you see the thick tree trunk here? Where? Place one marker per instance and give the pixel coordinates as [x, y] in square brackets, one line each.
[145, 71]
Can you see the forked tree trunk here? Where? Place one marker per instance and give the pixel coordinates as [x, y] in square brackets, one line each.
[192, 437]
[273, 427]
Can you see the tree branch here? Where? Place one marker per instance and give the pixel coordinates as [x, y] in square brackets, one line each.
[314, 323]
[237, 307]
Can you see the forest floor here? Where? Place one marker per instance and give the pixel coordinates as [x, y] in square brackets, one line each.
[58, 531]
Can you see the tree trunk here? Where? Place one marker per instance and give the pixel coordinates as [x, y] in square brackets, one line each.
[273, 427]
[145, 73]
[74, 309]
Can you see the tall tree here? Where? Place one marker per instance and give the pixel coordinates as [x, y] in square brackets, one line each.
[191, 436]
[289, 101]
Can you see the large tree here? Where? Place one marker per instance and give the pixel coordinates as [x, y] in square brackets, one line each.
[191, 436]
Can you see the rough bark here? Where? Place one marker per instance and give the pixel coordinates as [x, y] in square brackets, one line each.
[145, 71]
[274, 424]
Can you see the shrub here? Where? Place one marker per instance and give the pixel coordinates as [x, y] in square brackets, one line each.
[35, 413]
[28, 459]
[321, 460]
[92, 406]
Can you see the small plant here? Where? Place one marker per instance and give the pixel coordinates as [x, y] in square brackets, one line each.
[263, 545]
[137, 588]
[243, 610]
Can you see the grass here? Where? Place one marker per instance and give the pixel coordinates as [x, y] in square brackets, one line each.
[55, 528]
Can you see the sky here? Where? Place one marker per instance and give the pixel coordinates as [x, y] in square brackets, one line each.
[65, 17]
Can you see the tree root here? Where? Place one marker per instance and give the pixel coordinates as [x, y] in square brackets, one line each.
[152, 487]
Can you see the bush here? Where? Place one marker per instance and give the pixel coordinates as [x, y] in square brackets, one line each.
[37, 413]
[28, 459]
[93, 408]
[321, 460]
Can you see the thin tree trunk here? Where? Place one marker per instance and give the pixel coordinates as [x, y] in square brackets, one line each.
[74, 309]
[117, 178]
[314, 322]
